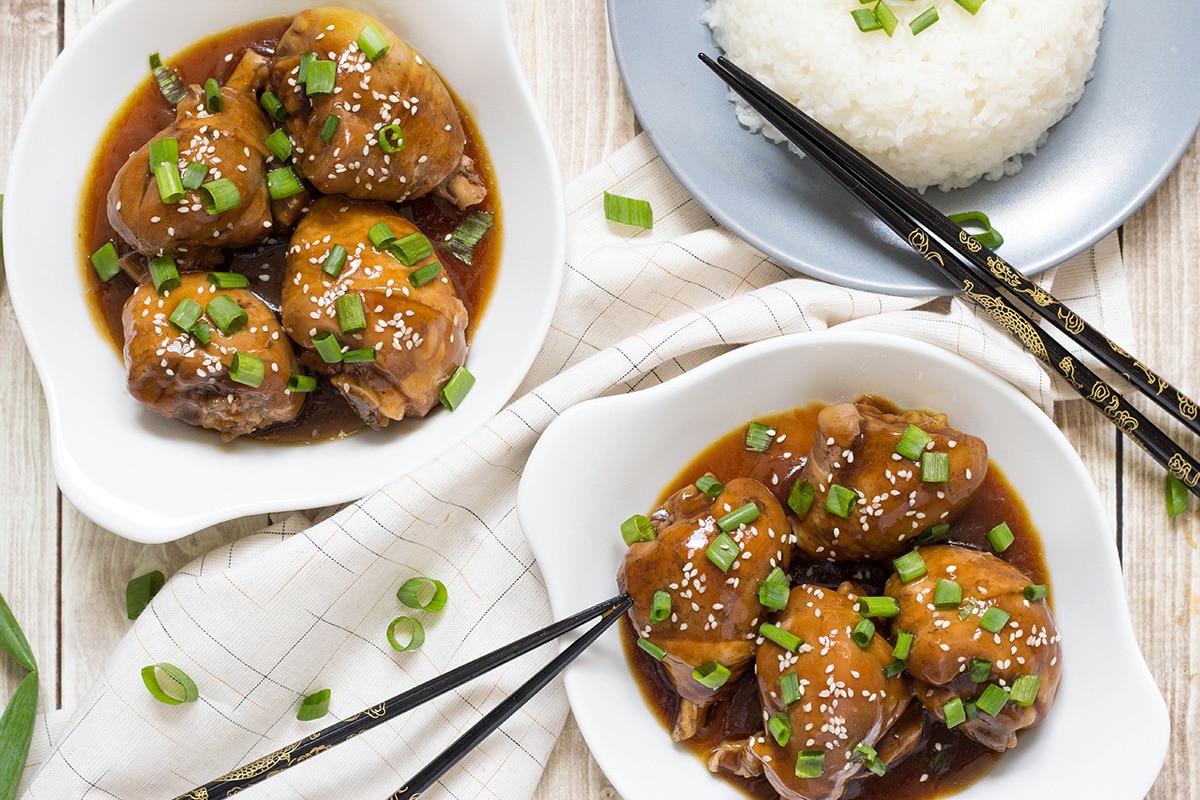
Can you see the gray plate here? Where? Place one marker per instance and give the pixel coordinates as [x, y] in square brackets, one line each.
[1137, 116]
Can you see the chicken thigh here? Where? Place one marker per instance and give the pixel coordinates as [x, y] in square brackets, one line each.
[411, 335]
[869, 499]
[709, 565]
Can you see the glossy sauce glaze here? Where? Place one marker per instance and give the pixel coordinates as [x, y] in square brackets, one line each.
[946, 761]
[325, 414]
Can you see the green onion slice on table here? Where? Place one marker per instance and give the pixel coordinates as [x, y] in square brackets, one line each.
[169, 684]
[140, 591]
[314, 706]
[628, 210]
[427, 594]
[405, 633]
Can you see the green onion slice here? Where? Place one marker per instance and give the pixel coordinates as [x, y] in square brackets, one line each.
[976, 223]
[710, 486]
[468, 233]
[1025, 690]
[283, 183]
[405, 633]
[455, 390]
[887, 18]
[656, 652]
[314, 706]
[272, 105]
[328, 347]
[391, 138]
[306, 59]
[723, 551]
[372, 43]
[789, 688]
[164, 274]
[947, 594]
[279, 144]
[992, 700]
[194, 175]
[660, 606]
[893, 669]
[774, 594]
[785, 639]
[742, 515]
[924, 20]
[427, 594]
[213, 101]
[186, 314]
[800, 499]
[863, 633]
[140, 591]
[228, 280]
[933, 533]
[980, 671]
[909, 566]
[301, 383]
[352, 318]
[420, 277]
[411, 248]
[169, 684]
[866, 20]
[994, 619]
[953, 713]
[333, 263]
[810, 763]
[637, 528]
[1176, 494]
[913, 442]
[712, 674]
[226, 314]
[106, 262]
[1036, 591]
[170, 182]
[359, 355]
[169, 84]
[381, 235]
[935, 467]
[628, 210]
[321, 78]
[780, 727]
[163, 151]
[877, 606]
[220, 196]
[247, 369]
[201, 332]
[840, 501]
[329, 128]
[972, 6]
[759, 437]
[904, 642]
[1001, 537]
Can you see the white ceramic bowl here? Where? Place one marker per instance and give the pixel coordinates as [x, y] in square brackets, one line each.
[606, 459]
[153, 479]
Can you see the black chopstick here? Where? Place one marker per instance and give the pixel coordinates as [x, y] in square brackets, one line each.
[921, 226]
[273, 763]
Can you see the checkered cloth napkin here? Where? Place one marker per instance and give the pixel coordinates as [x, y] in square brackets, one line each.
[304, 606]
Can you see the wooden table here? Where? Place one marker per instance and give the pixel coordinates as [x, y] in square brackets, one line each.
[64, 577]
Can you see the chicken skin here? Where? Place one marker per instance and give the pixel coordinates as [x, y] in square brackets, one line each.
[848, 704]
[229, 143]
[889, 503]
[174, 373]
[714, 610]
[397, 133]
[956, 657]
[412, 338]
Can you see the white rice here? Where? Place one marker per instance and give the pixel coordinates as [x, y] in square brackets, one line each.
[965, 99]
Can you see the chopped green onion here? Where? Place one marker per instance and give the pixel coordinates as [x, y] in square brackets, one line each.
[886, 17]
[909, 566]
[810, 763]
[971, 709]
[862, 753]
[1176, 495]
[863, 633]
[169, 684]
[213, 101]
[140, 591]
[723, 551]
[194, 175]
[954, 713]
[785, 639]
[452, 394]
[170, 183]
[164, 274]
[405, 633]
[893, 669]
[163, 151]
[220, 195]
[980, 670]
[329, 128]
[321, 78]
[935, 467]
[742, 515]
[302, 69]
[272, 105]
[201, 332]
[301, 383]
[801, 497]
[228, 280]
[381, 235]
[333, 263]
[759, 437]
[422, 276]
[789, 688]
[1025, 690]
[780, 727]
[169, 84]
[712, 674]
[983, 231]
[314, 706]
[947, 594]
[993, 699]
[879, 606]
[226, 314]
[186, 314]
[933, 533]
[247, 369]
[427, 594]
[1036, 591]
[866, 20]
[411, 248]
[973, 7]
[391, 138]
[283, 182]
[840, 501]
[106, 261]
[904, 642]
[967, 609]
[279, 143]
[468, 233]
[660, 606]
[774, 590]
[994, 619]
[710, 486]
[358, 355]
[637, 528]
[656, 652]
[628, 210]
[913, 442]
[1001, 537]
[351, 316]
[372, 43]
[924, 20]
[328, 347]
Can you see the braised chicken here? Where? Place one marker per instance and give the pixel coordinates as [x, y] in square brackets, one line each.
[830, 726]
[870, 501]
[229, 143]
[178, 374]
[385, 128]
[411, 335]
[972, 647]
[710, 565]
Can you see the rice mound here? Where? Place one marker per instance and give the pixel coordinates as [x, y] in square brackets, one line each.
[967, 98]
